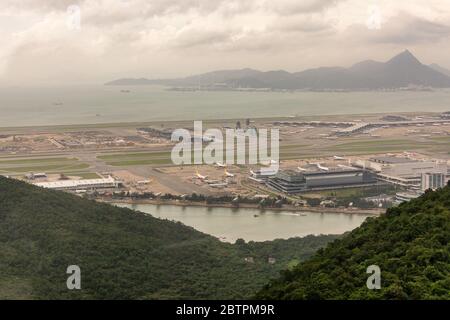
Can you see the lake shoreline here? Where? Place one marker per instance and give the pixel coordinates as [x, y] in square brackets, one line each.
[374, 212]
[249, 223]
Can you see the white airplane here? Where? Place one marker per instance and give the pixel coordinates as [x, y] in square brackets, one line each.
[221, 165]
[201, 177]
[338, 158]
[228, 174]
[319, 166]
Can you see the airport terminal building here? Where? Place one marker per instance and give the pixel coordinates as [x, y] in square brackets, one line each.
[292, 182]
[403, 171]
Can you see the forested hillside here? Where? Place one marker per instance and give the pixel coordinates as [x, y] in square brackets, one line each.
[410, 244]
[124, 254]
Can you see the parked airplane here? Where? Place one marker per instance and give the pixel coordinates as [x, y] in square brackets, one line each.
[338, 158]
[228, 174]
[221, 165]
[201, 177]
[320, 167]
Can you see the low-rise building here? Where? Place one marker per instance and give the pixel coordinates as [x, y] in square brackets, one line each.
[402, 171]
[87, 184]
[406, 196]
[433, 181]
[39, 175]
[262, 175]
[296, 182]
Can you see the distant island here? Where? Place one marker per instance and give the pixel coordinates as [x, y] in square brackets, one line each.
[402, 72]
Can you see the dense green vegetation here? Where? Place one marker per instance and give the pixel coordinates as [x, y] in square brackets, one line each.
[410, 244]
[125, 254]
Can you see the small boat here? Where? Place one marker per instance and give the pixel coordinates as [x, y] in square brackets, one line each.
[302, 214]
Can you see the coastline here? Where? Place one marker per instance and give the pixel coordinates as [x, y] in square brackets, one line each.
[374, 212]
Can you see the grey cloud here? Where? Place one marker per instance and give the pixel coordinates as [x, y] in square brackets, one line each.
[132, 36]
[303, 6]
[410, 30]
[306, 24]
[195, 37]
[139, 11]
[40, 5]
[403, 29]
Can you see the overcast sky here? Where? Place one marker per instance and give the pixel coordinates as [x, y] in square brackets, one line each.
[93, 41]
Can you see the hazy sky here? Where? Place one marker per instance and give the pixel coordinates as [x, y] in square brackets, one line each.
[92, 41]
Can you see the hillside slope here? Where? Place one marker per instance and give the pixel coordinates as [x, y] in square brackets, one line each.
[123, 254]
[411, 245]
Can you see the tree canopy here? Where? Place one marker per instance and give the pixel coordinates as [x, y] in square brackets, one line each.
[124, 254]
[410, 244]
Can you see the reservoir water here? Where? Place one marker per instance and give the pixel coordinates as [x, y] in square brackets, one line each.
[252, 224]
[110, 104]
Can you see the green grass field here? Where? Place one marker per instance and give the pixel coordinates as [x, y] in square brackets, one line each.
[134, 159]
[373, 146]
[36, 161]
[164, 157]
[57, 165]
[47, 168]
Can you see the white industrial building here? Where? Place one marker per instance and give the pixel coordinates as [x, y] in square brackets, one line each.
[406, 196]
[403, 171]
[109, 182]
[433, 181]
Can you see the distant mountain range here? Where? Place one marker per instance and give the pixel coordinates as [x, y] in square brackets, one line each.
[402, 71]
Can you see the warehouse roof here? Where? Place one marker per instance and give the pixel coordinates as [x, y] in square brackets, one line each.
[392, 160]
[75, 183]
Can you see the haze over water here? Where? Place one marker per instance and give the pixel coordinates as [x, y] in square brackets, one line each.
[105, 104]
